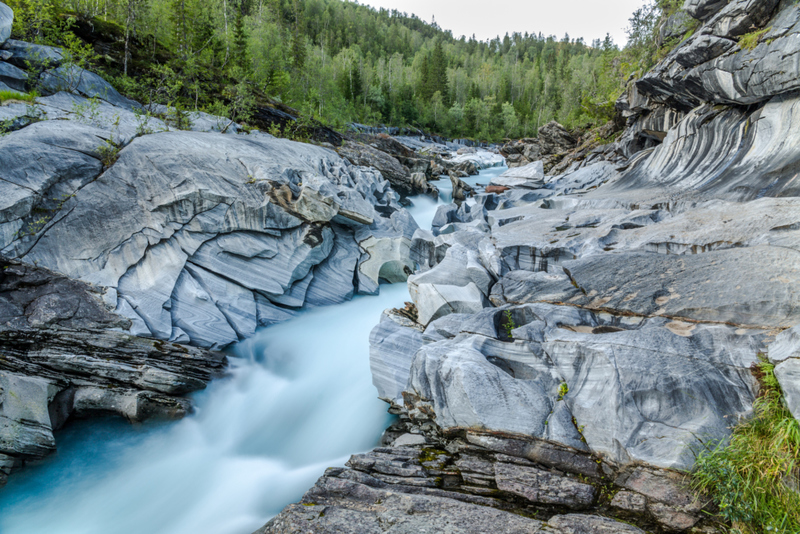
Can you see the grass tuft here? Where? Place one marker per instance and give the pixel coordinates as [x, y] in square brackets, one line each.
[19, 97]
[755, 479]
[750, 41]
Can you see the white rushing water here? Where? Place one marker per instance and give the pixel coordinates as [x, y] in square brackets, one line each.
[299, 399]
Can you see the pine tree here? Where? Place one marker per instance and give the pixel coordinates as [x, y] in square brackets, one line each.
[298, 37]
[438, 73]
[239, 53]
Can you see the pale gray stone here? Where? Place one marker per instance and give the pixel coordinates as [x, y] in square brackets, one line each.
[630, 501]
[392, 347]
[193, 251]
[6, 21]
[458, 284]
[74, 79]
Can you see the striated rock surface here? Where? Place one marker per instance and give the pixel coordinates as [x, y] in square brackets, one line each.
[66, 354]
[123, 241]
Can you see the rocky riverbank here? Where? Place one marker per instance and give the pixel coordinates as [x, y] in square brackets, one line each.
[136, 245]
[577, 337]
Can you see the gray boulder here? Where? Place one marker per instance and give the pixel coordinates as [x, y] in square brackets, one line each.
[13, 77]
[6, 22]
[784, 353]
[25, 55]
[395, 172]
[554, 138]
[458, 284]
[74, 79]
[530, 176]
[393, 343]
[704, 9]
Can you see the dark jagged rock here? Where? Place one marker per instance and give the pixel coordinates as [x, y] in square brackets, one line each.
[476, 483]
[66, 354]
[555, 139]
[14, 78]
[675, 27]
[24, 55]
[396, 173]
[704, 9]
[710, 67]
[555, 146]
[286, 118]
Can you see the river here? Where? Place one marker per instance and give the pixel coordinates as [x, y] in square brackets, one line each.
[298, 399]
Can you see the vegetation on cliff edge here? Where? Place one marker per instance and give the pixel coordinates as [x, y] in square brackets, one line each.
[755, 479]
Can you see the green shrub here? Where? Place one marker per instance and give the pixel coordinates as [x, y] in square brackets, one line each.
[750, 41]
[755, 478]
[509, 323]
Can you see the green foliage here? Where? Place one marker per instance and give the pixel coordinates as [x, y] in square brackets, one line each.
[750, 41]
[755, 478]
[341, 62]
[508, 324]
[563, 389]
[15, 96]
[109, 152]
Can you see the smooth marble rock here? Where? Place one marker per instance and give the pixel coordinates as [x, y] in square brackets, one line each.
[628, 409]
[784, 353]
[74, 79]
[755, 290]
[190, 230]
[449, 288]
[392, 348]
[530, 176]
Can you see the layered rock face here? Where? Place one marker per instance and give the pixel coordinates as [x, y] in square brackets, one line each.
[745, 53]
[482, 484]
[66, 354]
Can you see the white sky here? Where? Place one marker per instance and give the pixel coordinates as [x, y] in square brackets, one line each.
[590, 19]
